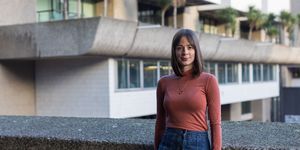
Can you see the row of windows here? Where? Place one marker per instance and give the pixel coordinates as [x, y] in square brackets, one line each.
[228, 72]
[137, 73]
[145, 73]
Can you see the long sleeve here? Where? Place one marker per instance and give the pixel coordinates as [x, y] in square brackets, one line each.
[160, 116]
[214, 112]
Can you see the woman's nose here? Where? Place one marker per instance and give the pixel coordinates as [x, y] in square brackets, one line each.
[185, 50]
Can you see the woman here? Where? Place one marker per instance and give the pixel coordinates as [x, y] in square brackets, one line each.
[184, 97]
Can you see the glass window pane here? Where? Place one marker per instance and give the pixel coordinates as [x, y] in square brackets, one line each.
[212, 68]
[73, 9]
[245, 73]
[150, 74]
[165, 68]
[88, 9]
[274, 72]
[122, 74]
[256, 72]
[134, 74]
[206, 66]
[246, 107]
[43, 10]
[271, 72]
[266, 72]
[221, 73]
[232, 73]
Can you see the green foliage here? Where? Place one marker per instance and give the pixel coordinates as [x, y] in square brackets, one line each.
[255, 17]
[288, 20]
[228, 15]
[272, 32]
[269, 26]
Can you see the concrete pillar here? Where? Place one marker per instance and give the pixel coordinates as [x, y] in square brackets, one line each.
[261, 110]
[125, 10]
[17, 94]
[191, 18]
[286, 76]
[235, 111]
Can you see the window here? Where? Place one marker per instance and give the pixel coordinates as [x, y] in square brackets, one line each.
[245, 73]
[134, 74]
[210, 67]
[49, 10]
[295, 71]
[165, 68]
[122, 74]
[257, 72]
[221, 73]
[128, 74]
[267, 72]
[150, 73]
[227, 72]
[232, 73]
[246, 107]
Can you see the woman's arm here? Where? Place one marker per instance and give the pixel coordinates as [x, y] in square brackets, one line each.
[160, 115]
[214, 112]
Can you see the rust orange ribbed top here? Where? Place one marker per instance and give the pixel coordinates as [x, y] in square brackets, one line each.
[187, 109]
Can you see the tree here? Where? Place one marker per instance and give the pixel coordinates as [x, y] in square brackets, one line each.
[287, 24]
[270, 27]
[228, 15]
[255, 18]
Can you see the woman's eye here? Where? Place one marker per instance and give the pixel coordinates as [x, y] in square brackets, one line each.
[179, 48]
[190, 47]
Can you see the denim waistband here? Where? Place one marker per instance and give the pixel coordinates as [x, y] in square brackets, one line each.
[181, 131]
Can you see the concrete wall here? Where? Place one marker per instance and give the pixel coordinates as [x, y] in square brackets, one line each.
[72, 87]
[17, 11]
[17, 94]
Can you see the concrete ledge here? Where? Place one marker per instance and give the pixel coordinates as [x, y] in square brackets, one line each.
[34, 133]
[117, 38]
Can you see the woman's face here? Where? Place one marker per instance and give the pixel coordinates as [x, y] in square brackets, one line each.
[185, 54]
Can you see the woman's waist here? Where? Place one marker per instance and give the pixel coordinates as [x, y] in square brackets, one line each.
[180, 131]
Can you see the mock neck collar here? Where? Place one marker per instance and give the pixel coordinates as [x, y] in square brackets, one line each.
[187, 73]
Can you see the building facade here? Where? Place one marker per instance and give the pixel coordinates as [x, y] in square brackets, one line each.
[67, 61]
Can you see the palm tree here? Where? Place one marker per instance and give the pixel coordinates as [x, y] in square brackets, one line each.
[255, 18]
[228, 15]
[287, 22]
[272, 32]
[270, 27]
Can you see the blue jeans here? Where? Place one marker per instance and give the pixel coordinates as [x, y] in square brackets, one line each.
[180, 139]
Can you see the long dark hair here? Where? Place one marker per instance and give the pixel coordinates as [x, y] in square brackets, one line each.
[193, 40]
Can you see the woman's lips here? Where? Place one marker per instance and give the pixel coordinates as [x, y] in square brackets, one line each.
[184, 59]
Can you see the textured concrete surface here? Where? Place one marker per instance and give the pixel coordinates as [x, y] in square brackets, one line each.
[72, 87]
[119, 38]
[17, 12]
[95, 133]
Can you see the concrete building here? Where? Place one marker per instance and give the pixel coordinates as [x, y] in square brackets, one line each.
[74, 63]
